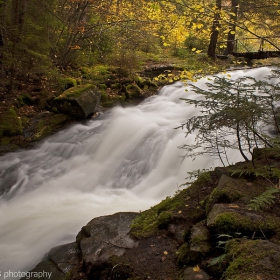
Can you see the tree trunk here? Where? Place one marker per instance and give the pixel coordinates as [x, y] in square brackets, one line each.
[232, 27]
[215, 30]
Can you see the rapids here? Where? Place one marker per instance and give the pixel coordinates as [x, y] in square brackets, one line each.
[124, 160]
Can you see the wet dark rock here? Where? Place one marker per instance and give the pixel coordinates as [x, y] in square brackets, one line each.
[66, 257]
[177, 232]
[58, 263]
[230, 190]
[104, 237]
[194, 273]
[45, 270]
[199, 242]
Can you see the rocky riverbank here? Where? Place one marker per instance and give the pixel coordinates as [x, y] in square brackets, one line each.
[37, 108]
[226, 225]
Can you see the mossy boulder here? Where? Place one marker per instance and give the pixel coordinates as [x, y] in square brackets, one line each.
[183, 254]
[252, 259]
[110, 100]
[148, 87]
[231, 218]
[187, 205]
[231, 190]
[80, 102]
[10, 123]
[133, 91]
[199, 241]
[47, 124]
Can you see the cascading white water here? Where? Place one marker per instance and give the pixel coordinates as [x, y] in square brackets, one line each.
[126, 160]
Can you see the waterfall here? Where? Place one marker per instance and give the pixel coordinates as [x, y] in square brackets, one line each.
[124, 160]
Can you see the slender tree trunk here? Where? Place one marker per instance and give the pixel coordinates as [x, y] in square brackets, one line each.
[215, 31]
[239, 141]
[238, 129]
[232, 27]
[218, 151]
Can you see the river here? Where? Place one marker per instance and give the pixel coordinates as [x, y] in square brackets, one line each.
[124, 160]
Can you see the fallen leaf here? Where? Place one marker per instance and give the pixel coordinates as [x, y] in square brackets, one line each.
[233, 206]
[196, 269]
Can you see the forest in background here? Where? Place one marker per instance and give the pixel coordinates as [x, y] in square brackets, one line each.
[49, 46]
[47, 37]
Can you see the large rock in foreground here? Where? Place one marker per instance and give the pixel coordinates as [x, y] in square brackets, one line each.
[100, 240]
[231, 218]
[80, 102]
[253, 259]
[104, 237]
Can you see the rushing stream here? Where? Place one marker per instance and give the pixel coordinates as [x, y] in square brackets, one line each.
[125, 160]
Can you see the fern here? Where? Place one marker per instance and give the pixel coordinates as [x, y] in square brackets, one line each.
[264, 200]
[218, 260]
[202, 174]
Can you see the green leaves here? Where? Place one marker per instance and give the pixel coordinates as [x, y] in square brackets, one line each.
[232, 117]
[264, 200]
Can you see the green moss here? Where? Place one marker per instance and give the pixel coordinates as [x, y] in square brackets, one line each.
[146, 84]
[138, 80]
[231, 190]
[66, 83]
[202, 179]
[149, 221]
[183, 254]
[24, 99]
[115, 86]
[25, 120]
[102, 86]
[231, 222]
[187, 204]
[5, 140]
[43, 104]
[164, 218]
[97, 74]
[109, 101]
[133, 91]
[252, 258]
[47, 126]
[225, 195]
[10, 123]
[101, 69]
[200, 238]
[104, 97]
[74, 92]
